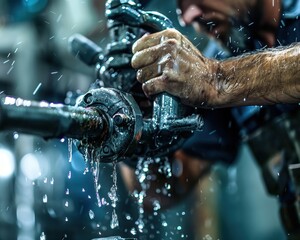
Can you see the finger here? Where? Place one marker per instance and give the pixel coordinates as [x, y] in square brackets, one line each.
[161, 53]
[153, 86]
[167, 82]
[145, 57]
[156, 69]
[154, 39]
[149, 72]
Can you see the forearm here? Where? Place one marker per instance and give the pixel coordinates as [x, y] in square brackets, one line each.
[267, 77]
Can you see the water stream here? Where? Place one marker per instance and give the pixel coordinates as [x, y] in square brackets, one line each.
[93, 166]
[145, 176]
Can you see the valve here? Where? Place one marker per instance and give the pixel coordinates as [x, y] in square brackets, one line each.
[108, 119]
[124, 120]
[162, 132]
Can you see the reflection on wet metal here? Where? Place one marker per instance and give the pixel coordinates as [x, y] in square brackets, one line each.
[114, 238]
[107, 123]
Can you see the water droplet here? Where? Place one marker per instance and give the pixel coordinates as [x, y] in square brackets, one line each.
[140, 223]
[37, 88]
[70, 149]
[66, 219]
[133, 231]
[67, 191]
[103, 201]
[16, 135]
[43, 236]
[91, 214]
[86, 170]
[164, 224]
[69, 175]
[45, 198]
[83, 190]
[52, 181]
[66, 204]
[142, 177]
[156, 205]
[207, 237]
[114, 221]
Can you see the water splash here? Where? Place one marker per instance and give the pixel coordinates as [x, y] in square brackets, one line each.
[113, 190]
[114, 220]
[156, 205]
[70, 148]
[91, 214]
[133, 231]
[93, 165]
[43, 236]
[144, 175]
[142, 171]
[207, 237]
[113, 197]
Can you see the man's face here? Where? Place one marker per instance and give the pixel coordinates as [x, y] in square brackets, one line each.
[216, 17]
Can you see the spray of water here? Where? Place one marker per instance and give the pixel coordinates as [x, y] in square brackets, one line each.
[144, 176]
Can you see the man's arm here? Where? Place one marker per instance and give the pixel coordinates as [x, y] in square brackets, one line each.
[168, 62]
[265, 77]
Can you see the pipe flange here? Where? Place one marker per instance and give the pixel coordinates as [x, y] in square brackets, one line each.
[124, 123]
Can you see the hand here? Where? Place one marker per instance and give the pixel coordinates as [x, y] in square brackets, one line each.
[168, 62]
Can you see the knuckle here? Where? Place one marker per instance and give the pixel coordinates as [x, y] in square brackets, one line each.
[169, 46]
[165, 76]
[172, 32]
[172, 42]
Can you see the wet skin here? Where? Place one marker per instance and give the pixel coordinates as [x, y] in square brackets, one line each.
[168, 62]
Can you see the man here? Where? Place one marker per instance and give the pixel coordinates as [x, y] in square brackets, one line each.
[168, 62]
[270, 76]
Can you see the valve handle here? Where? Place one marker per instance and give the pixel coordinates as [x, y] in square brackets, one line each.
[83, 48]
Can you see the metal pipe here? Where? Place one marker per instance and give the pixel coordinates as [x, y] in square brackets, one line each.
[50, 120]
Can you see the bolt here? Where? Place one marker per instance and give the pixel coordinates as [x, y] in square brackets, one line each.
[120, 119]
[106, 149]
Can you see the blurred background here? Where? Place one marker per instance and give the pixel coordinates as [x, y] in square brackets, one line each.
[44, 196]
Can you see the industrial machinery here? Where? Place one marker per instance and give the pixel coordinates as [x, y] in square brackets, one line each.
[108, 118]
[108, 121]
